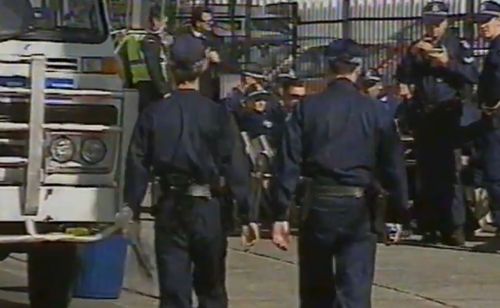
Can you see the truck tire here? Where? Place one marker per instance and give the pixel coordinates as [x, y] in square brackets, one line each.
[52, 271]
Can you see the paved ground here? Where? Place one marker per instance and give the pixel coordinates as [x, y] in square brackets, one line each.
[407, 276]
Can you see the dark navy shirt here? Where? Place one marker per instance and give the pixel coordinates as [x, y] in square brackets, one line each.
[438, 85]
[270, 122]
[342, 135]
[234, 100]
[489, 81]
[189, 134]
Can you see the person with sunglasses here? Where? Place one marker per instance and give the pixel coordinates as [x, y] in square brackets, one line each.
[294, 91]
[202, 22]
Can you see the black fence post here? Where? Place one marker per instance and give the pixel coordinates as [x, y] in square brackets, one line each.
[346, 22]
[295, 34]
[469, 22]
[248, 30]
[232, 22]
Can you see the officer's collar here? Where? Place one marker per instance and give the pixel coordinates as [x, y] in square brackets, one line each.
[495, 43]
[343, 82]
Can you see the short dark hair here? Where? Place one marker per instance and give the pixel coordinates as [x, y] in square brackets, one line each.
[154, 13]
[292, 83]
[183, 73]
[197, 14]
[342, 67]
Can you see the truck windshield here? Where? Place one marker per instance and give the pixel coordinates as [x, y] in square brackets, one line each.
[74, 21]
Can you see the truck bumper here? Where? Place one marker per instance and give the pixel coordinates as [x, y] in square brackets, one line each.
[85, 205]
[62, 204]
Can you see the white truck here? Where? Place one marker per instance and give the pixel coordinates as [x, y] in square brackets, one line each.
[65, 120]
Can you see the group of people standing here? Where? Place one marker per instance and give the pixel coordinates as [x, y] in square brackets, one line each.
[341, 139]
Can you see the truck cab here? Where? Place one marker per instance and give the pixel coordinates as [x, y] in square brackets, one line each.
[65, 120]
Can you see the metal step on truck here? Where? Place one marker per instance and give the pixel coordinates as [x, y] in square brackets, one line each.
[65, 120]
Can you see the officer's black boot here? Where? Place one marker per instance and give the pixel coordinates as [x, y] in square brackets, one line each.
[430, 237]
[455, 238]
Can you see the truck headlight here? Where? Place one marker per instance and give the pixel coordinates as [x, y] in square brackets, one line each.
[93, 150]
[62, 149]
[105, 65]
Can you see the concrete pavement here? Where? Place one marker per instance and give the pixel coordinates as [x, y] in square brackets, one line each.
[406, 276]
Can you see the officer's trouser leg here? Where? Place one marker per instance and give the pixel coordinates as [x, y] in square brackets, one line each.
[317, 283]
[426, 217]
[355, 265]
[337, 228]
[208, 252]
[348, 286]
[186, 245]
[442, 195]
[492, 172]
[174, 267]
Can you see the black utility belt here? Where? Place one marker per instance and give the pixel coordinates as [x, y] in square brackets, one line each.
[337, 191]
[452, 104]
[193, 190]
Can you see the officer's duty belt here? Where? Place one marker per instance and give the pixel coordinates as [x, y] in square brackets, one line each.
[201, 191]
[193, 190]
[337, 191]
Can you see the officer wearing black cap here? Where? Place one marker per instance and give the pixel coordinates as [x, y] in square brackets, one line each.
[189, 153]
[261, 115]
[442, 70]
[489, 98]
[372, 83]
[252, 75]
[338, 138]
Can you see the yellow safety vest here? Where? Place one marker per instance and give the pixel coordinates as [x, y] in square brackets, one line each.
[138, 67]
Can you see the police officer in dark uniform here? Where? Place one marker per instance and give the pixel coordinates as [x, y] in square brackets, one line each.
[339, 139]
[189, 154]
[441, 67]
[154, 50]
[261, 115]
[489, 98]
[294, 91]
[252, 75]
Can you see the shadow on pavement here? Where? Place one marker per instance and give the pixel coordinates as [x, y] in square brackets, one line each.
[15, 289]
[492, 245]
[8, 304]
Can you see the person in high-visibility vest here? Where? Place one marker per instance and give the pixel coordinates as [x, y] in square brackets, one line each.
[147, 57]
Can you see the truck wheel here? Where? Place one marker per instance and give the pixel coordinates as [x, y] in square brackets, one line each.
[52, 271]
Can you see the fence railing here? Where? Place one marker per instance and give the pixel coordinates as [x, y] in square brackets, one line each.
[386, 27]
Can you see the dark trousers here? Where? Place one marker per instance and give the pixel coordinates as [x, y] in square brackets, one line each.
[189, 248]
[491, 157]
[440, 203]
[336, 229]
[147, 94]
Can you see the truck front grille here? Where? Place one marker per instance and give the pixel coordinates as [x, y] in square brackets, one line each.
[14, 128]
[62, 113]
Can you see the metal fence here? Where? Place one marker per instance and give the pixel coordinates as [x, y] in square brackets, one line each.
[385, 27]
